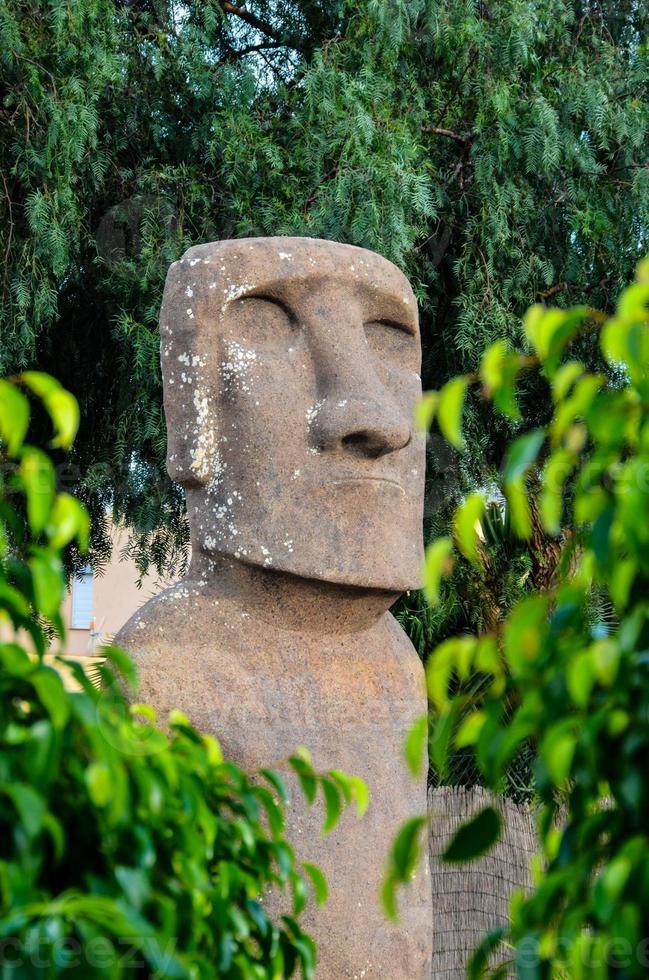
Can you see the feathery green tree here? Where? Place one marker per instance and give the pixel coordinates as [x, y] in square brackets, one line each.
[496, 151]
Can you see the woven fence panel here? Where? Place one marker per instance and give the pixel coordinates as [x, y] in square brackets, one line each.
[471, 899]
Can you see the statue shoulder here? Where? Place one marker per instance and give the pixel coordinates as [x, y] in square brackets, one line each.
[404, 651]
[399, 636]
[165, 613]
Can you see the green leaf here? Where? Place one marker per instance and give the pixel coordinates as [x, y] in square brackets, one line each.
[29, 804]
[557, 751]
[454, 654]
[14, 417]
[449, 410]
[277, 783]
[414, 748]
[610, 886]
[49, 687]
[642, 271]
[498, 373]
[519, 508]
[353, 788]
[121, 661]
[425, 410]
[331, 796]
[492, 364]
[305, 775]
[440, 742]
[47, 581]
[61, 406]
[318, 880]
[525, 632]
[550, 330]
[14, 658]
[551, 499]
[522, 454]
[402, 862]
[634, 301]
[64, 411]
[475, 837]
[576, 405]
[99, 783]
[406, 848]
[481, 956]
[466, 524]
[68, 520]
[438, 563]
[37, 474]
[564, 379]
[580, 678]
[606, 656]
[43, 385]
[300, 894]
[469, 730]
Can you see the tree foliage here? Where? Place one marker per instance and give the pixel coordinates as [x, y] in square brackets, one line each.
[124, 851]
[575, 688]
[496, 151]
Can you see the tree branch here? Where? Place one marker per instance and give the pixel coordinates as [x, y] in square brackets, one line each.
[252, 19]
[11, 227]
[553, 290]
[233, 53]
[440, 131]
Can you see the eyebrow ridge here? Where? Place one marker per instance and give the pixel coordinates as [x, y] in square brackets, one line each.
[273, 289]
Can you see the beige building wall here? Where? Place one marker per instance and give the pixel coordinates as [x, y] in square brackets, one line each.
[115, 597]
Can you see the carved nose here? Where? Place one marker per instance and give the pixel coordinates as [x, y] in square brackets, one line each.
[360, 428]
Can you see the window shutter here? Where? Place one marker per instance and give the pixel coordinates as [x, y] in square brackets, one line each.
[82, 604]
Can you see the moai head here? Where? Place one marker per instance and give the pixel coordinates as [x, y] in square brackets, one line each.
[290, 370]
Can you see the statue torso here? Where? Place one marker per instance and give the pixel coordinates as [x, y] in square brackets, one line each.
[349, 697]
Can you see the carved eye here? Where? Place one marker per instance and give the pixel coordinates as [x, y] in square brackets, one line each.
[262, 322]
[387, 337]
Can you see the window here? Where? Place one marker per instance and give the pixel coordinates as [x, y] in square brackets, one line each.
[82, 611]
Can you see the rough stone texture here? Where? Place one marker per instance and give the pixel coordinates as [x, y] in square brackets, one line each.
[290, 377]
[470, 900]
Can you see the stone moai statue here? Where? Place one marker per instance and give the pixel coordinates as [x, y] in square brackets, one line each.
[290, 370]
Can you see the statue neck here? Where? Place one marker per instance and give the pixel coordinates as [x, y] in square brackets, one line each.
[288, 601]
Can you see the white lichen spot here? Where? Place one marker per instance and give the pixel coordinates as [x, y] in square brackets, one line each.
[235, 371]
[190, 313]
[234, 291]
[206, 460]
[189, 292]
[296, 474]
[312, 412]
[286, 255]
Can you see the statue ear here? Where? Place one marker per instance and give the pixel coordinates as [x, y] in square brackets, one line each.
[191, 427]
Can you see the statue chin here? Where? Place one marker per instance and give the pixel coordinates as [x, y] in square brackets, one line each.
[382, 575]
